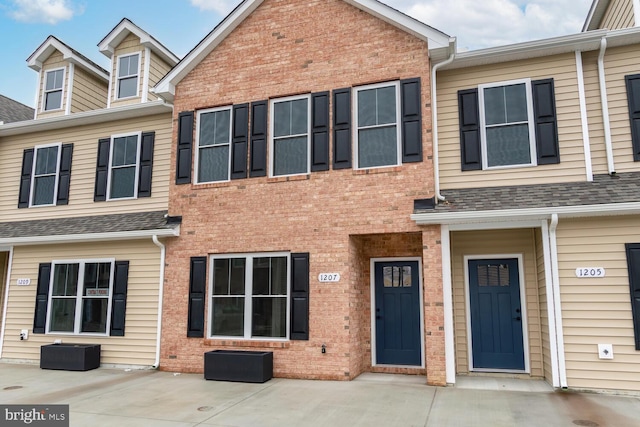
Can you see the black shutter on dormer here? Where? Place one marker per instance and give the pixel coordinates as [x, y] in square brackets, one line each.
[25, 178]
[240, 141]
[411, 121]
[342, 128]
[633, 100]
[258, 151]
[320, 131]
[102, 170]
[64, 176]
[633, 265]
[146, 164]
[185, 146]
[197, 288]
[469, 122]
[544, 108]
[119, 300]
[42, 298]
[299, 296]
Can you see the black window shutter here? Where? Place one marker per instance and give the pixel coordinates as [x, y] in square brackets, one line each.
[197, 287]
[411, 121]
[299, 296]
[146, 164]
[25, 178]
[102, 170]
[342, 128]
[633, 99]
[42, 298]
[240, 141]
[320, 131]
[64, 176]
[633, 263]
[119, 300]
[185, 145]
[544, 108]
[258, 139]
[469, 115]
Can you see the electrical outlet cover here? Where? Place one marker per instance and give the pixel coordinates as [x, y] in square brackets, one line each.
[605, 351]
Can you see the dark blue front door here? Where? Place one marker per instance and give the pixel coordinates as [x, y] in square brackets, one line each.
[397, 313]
[496, 317]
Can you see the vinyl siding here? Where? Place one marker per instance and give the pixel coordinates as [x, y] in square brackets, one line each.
[131, 44]
[619, 14]
[157, 70]
[520, 241]
[562, 68]
[54, 61]
[598, 310]
[83, 169]
[89, 92]
[138, 345]
[544, 313]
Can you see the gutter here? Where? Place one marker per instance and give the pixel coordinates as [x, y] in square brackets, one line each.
[434, 116]
[6, 300]
[562, 368]
[89, 237]
[605, 106]
[163, 253]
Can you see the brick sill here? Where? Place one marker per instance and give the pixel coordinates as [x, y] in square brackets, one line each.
[246, 343]
[372, 171]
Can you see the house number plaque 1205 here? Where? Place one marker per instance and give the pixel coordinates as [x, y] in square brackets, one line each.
[584, 272]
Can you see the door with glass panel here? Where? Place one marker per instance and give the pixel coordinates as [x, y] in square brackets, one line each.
[397, 313]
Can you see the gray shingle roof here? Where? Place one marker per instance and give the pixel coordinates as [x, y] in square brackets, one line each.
[13, 111]
[139, 221]
[605, 189]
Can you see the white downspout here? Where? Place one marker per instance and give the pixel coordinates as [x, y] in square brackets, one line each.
[636, 13]
[605, 107]
[548, 277]
[588, 164]
[6, 300]
[562, 367]
[434, 117]
[156, 364]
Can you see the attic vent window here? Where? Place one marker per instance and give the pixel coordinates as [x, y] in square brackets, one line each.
[128, 71]
[53, 89]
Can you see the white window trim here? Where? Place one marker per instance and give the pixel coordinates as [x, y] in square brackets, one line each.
[137, 172]
[78, 317]
[45, 91]
[272, 139]
[118, 76]
[197, 156]
[356, 128]
[530, 118]
[248, 295]
[33, 174]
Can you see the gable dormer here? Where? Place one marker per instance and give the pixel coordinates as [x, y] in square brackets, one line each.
[68, 82]
[138, 62]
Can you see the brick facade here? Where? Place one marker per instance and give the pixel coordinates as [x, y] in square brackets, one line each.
[341, 217]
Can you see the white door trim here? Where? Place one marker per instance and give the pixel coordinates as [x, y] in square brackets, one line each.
[372, 273]
[523, 309]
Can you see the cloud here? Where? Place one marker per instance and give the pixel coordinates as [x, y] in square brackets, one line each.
[223, 7]
[43, 11]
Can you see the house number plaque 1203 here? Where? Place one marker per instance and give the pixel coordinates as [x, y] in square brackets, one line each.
[584, 272]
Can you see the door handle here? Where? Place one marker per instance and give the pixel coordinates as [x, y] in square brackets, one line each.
[517, 318]
[378, 317]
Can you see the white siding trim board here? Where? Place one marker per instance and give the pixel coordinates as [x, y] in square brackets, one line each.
[584, 117]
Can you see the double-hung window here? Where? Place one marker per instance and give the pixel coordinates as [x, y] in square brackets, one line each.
[377, 133]
[250, 296]
[128, 72]
[54, 80]
[123, 166]
[214, 145]
[80, 296]
[507, 124]
[290, 147]
[44, 183]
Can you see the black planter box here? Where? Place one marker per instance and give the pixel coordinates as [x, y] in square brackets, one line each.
[70, 357]
[242, 366]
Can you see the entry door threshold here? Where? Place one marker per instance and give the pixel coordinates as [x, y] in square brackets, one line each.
[502, 383]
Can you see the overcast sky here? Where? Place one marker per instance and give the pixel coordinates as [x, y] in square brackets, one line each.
[181, 24]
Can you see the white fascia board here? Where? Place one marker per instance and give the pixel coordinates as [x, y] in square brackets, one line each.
[108, 44]
[610, 209]
[596, 12]
[86, 118]
[91, 237]
[532, 49]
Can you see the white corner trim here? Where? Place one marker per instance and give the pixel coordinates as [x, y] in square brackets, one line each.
[447, 299]
[163, 252]
[67, 109]
[90, 237]
[6, 300]
[112, 75]
[636, 13]
[145, 78]
[584, 118]
[39, 91]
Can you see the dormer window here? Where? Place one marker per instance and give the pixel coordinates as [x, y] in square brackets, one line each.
[53, 89]
[128, 72]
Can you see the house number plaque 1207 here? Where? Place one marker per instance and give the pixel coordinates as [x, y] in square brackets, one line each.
[584, 272]
[329, 277]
